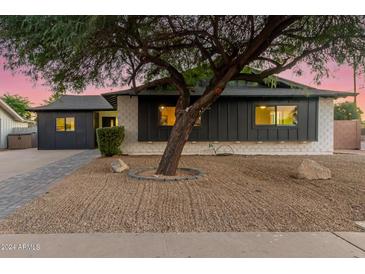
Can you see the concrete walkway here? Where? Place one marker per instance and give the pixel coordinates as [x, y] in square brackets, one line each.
[214, 244]
[20, 189]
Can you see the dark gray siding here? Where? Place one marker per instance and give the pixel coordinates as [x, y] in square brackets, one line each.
[82, 138]
[231, 119]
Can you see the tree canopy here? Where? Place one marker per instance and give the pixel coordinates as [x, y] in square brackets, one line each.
[347, 111]
[72, 52]
[19, 103]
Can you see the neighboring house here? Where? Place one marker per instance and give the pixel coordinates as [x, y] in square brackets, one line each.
[247, 119]
[70, 122]
[9, 120]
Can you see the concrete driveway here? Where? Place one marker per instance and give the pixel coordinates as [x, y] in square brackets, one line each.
[15, 162]
[25, 174]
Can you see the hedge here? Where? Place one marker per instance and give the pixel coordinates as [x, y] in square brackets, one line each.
[109, 140]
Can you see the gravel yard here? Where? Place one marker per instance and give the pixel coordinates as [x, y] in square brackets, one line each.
[238, 193]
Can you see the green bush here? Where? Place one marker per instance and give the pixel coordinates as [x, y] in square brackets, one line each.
[109, 140]
[347, 111]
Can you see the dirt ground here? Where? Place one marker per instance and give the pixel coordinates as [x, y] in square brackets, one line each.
[238, 193]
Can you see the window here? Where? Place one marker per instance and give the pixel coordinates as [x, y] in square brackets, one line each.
[265, 115]
[70, 123]
[269, 115]
[167, 116]
[286, 115]
[60, 124]
[65, 124]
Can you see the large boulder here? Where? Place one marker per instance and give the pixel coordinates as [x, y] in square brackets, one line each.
[312, 170]
[119, 166]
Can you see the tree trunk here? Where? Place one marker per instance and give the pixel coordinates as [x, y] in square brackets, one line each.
[179, 135]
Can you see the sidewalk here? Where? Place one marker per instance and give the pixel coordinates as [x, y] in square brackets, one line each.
[214, 244]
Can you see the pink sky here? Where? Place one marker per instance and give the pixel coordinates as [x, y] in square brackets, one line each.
[341, 79]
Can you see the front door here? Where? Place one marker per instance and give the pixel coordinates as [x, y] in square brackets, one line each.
[108, 121]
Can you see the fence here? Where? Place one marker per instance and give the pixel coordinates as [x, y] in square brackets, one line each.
[347, 134]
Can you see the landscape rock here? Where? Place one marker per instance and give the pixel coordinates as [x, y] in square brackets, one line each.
[118, 166]
[312, 170]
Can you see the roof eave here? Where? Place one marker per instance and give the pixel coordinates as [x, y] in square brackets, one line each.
[79, 109]
[12, 113]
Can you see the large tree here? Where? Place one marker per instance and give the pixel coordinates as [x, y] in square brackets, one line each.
[19, 103]
[71, 52]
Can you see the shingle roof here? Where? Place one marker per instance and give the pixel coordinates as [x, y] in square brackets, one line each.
[77, 102]
[245, 92]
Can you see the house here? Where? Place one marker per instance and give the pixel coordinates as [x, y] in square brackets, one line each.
[70, 122]
[9, 120]
[248, 118]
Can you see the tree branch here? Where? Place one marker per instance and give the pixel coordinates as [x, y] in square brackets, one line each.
[162, 81]
[280, 68]
[292, 63]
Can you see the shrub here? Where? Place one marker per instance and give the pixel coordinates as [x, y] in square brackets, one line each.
[109, 140]
[347, 111]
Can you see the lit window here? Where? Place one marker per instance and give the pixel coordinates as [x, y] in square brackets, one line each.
[60, 124]
[167, 116]
[65, 124]
[265, 115]
[276, 115]
[286, 115]
[70, 123]
[198, 122]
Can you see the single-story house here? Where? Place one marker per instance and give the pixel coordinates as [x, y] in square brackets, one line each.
[9, 120]
[248, 118]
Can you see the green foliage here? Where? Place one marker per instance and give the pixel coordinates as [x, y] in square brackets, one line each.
[72, 52]
[271, 81]
[53, 97]
[194, 75]
[19, 103]
[347, 111]
[109, 140]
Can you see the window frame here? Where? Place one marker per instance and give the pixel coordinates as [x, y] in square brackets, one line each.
[159, 115]
[167, 126]
[64, 124]
[273, 104]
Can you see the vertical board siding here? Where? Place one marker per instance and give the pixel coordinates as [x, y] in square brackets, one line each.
[231, 119]
[7, 124]
[312, 123]
[82, 138]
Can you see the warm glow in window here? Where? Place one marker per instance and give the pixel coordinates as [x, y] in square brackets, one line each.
[286, 115]
[167, 116]
[198, 122]
[65, 124]
[265, 115]
[60, 124]
[70, 124]
[276, 115]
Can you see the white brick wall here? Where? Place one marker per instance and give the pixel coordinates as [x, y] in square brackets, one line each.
[128, 117]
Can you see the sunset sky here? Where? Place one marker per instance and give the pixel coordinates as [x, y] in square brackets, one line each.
[341, 79]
